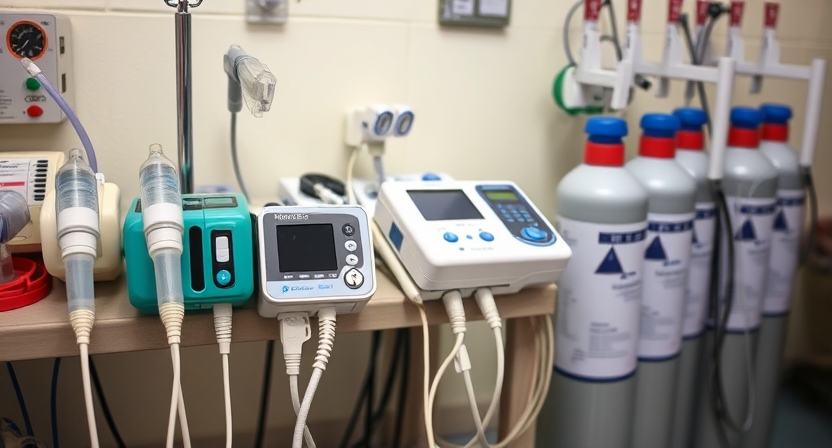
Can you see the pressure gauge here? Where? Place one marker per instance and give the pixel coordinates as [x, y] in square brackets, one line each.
[27, 40]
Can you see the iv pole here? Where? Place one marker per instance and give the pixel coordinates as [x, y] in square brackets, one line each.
[184, 103]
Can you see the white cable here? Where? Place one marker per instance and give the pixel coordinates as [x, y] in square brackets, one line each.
[348, 183]
[426, 372]
[475, 411]
[85, 375]
[183, 417]
[226, 382]
[293, 388]
[174, 396]
[222, 327]
[326, 339]
[435, 384]
[294, 332]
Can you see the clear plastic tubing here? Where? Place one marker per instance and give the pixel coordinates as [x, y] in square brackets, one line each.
[161, 202]
[77, 202]
[14, 215]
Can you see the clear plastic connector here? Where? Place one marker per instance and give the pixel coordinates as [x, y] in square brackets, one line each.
[258, 84]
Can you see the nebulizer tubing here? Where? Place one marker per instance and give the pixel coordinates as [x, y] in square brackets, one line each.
[163, 227]
[35, 71]
[14, 215]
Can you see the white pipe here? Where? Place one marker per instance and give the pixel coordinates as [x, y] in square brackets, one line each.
[811, 118]
[720, 117]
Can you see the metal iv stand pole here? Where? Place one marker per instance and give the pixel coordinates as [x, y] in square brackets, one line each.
[184, 104]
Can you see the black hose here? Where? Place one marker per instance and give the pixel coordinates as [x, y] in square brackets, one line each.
[809, 185]
[368, 416]
[397, 433]
[20, 401]
[53, 402]
[264, 395]
[105, 408]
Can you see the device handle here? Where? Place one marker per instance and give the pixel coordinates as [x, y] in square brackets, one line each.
[812, 115]
[721, 117]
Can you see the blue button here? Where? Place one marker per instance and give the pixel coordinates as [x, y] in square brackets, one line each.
[486, 236]
[223, 277]
[469, 237]
[450, 237]
[430, 177]
[510, 220]
[533, 234]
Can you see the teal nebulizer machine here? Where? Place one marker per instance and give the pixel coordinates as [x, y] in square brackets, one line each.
[217, 256]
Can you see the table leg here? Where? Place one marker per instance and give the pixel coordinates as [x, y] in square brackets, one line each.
[519, 365]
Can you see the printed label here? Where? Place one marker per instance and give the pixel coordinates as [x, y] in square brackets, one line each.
[14, 176]
[674, 10]
[699, 275]
[592, 9]
[736, 12]
[666, 263]
[752, 222]
[599, 299]
[701, 11]
[785, 248]
[772, 11]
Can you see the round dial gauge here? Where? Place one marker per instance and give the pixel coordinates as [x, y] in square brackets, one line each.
[26, 40]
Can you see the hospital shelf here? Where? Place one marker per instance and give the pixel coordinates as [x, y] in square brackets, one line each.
[42, 330]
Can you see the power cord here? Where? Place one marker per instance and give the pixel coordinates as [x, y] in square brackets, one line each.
[53, 402]
[265, 394]
[172, 315]
[222, 327]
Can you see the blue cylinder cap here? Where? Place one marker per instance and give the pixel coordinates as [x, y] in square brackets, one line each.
[776, 113]
[745, 117]
[609, 130]
[691, 118]
[660, 125]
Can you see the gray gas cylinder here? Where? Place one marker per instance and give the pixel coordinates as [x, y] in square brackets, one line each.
[750, 187]
[602, 215]
[785, 248]
[672, 193]
[690, 145]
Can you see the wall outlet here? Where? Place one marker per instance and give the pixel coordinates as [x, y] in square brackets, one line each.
[267, 11]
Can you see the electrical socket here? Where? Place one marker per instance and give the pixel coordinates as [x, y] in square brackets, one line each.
[267, 11]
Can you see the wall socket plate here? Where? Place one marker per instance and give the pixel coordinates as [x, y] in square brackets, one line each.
[267, 11]
[485, 13]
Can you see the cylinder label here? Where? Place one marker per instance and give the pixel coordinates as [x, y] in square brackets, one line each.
[699, 275]
[752, 222]
[666, 263]
[785, 248]
[599, 299]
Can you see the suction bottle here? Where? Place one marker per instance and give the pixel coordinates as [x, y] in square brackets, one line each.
[785, 247]
[690, 154]
[602, 215]
[750, 186]
[671, 212]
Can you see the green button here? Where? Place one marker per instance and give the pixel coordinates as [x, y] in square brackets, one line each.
[32, 84]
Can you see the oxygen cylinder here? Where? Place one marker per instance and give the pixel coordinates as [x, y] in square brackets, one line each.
[670, 216]
[690, 154]
[750, 187]
[785, 243]
[602, 214]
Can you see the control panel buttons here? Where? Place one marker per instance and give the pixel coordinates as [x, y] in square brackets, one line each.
[354, 279]
[485, 236]
[223, 254]
[352, 259]
[32, 84]
[348, 230]
[351, 245]
[533, 234]
[450, 237]
[34, 111]
[223, 277]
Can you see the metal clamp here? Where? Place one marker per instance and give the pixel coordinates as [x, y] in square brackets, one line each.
[180, 3]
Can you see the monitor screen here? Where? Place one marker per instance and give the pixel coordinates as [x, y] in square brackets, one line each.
[443, 205]
[306, 248]
[502, 195]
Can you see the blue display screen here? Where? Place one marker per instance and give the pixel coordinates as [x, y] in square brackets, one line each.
[444, 205]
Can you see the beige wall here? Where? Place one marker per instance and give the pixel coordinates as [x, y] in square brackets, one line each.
[483, 108]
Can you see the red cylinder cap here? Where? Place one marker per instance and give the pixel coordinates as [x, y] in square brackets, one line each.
[659, 147]
[604, 154]
[690, 140]
[776, 132]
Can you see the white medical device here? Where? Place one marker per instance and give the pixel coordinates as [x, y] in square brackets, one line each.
[45, 39]
[462, 235]
[313, 258]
